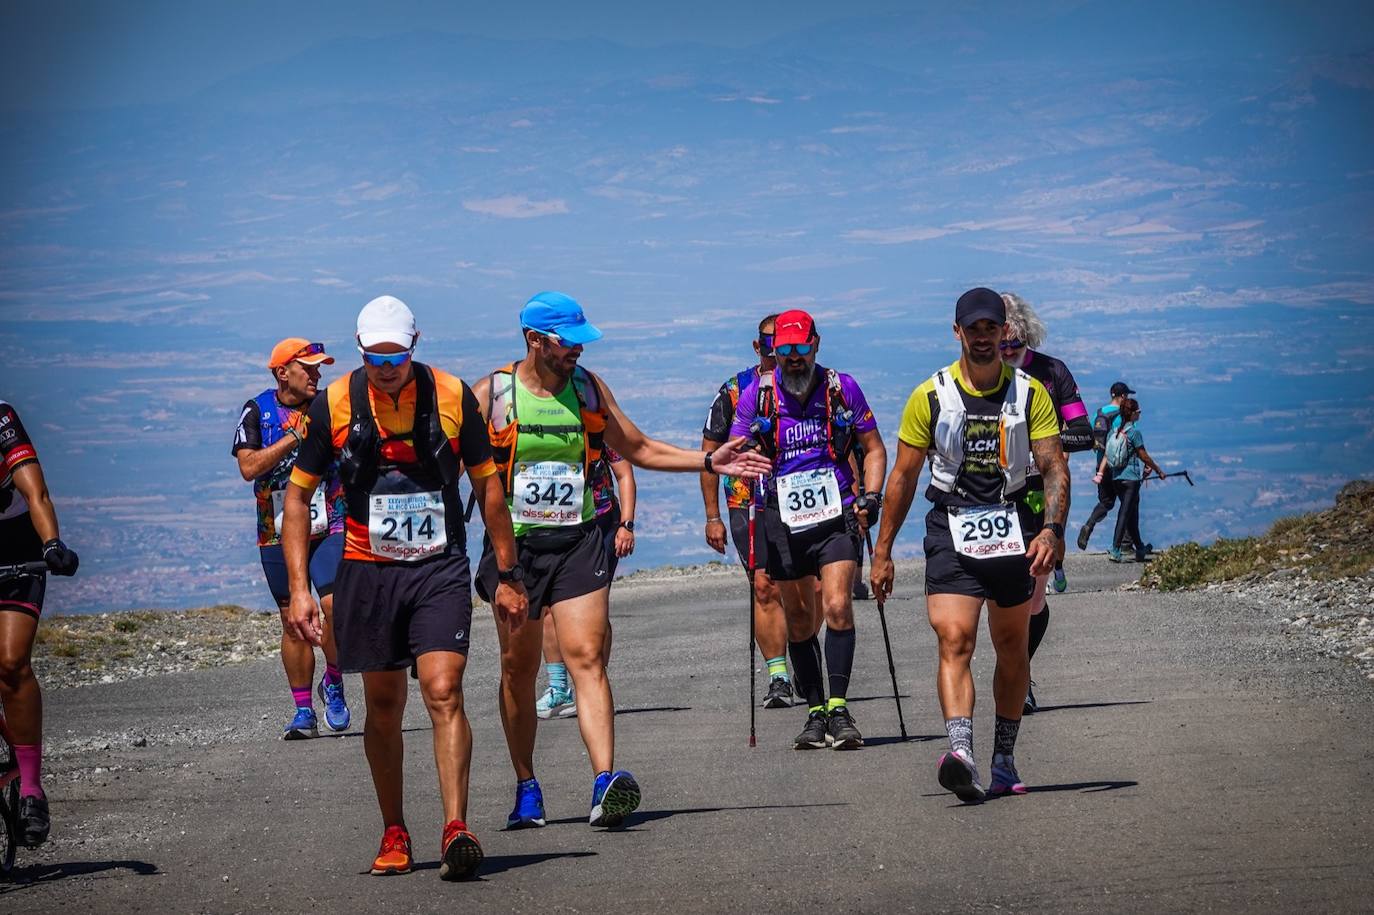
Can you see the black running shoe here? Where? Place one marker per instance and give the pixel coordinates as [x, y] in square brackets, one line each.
[861, 591]
[843, 734]
[816, 734]
[1084, 533]
[34, 823]
[1031, 706]
[779, 694]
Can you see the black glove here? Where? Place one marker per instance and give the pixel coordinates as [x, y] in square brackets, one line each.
[60, 560]
[869, 503]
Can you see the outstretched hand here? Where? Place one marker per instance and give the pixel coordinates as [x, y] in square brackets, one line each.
[732, 460]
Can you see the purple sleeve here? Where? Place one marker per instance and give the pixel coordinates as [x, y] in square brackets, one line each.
[864, 421]
[746, 409]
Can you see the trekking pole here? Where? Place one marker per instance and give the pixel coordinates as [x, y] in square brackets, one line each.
[753, 500]
[882, 618]
[1179, 473]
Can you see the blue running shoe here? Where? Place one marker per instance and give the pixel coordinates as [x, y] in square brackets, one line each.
[529, 806]
[336, 713]
[556, 703]
[614, 796]
[1061, 582]
[303, 726]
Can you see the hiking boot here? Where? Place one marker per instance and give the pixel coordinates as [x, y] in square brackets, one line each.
[1004, 777]
[33, 824]
[394, 855]
[614, 796]
[1031, 706]
[843, 735]
[336, 713]
[556, 703]
[1084, 533]
[303, 726]
[1060, 581]
[816, 734]
[529, 806]
[460, 853]
[779, 693]
[958, 774]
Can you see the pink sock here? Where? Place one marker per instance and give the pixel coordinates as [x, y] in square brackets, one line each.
[332, 675]
[30, 762]
[301, 696]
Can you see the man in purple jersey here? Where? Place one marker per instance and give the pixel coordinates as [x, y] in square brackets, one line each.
[806, 418]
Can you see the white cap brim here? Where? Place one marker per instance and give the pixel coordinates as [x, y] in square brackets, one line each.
[400, 338]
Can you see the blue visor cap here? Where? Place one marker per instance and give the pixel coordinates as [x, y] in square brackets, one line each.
[556, 313]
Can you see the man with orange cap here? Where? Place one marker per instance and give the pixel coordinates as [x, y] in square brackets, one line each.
[270, 430]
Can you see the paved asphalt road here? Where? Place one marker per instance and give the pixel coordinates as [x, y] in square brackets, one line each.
[1187, 758]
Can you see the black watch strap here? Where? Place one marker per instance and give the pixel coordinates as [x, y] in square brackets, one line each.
[628, 525]
[512, 575]
[1054, 527]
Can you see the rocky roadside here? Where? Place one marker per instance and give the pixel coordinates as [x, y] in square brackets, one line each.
[1333, 616]
[110, 647]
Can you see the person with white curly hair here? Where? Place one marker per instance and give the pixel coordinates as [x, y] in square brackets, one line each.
[1024, 332]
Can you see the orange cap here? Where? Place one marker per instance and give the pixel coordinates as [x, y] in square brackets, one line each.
[298, 349]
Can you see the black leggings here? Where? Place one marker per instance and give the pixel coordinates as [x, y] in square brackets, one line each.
[1128, 516]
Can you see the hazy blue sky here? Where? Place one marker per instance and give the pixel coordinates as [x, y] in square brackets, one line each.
[1184, 190]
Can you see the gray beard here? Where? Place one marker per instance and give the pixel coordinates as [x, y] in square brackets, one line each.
[798, 385]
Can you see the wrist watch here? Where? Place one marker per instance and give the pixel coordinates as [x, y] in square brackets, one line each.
[512, 576]
[1055, 528]
[296, 435]
[628, 525]
[706, 463]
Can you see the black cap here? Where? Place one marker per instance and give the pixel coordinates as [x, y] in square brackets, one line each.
[1121, 390]
[977, 304]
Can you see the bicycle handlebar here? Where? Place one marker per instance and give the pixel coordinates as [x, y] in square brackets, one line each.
[20, 569]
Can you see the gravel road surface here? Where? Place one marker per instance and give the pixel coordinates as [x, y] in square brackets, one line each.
[1188, 757]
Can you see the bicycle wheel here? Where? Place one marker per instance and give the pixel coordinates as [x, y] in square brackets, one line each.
[9, 811]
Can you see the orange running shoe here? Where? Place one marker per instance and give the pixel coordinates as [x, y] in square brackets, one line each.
[462, 853]
[394, 855]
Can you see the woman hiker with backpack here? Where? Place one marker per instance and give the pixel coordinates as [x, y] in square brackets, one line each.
[1129, 464]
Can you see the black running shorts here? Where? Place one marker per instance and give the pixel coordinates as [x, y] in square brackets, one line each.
[609, 525]
[1006, 582]
[386, 614]
[19, 542]
[797, 554]
[739, 533]
[560, 564]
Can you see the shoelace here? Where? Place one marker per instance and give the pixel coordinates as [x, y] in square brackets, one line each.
[395, 837]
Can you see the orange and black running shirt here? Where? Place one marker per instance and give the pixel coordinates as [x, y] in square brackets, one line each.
[16, 449]
[327, 432]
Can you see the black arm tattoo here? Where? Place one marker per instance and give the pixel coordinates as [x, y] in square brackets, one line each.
[1049, 459]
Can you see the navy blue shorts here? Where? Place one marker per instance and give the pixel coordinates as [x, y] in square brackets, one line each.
[324, 565]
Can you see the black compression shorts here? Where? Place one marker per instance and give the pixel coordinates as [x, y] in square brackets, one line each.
[559, 563]
[19, 542]
[797, 554]
[386, 614]
[1005, 581]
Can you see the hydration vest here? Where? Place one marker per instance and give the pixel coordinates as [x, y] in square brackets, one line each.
[360, 459]
[269, 426]
[504, 426]
[1013, 434]
[839, 419]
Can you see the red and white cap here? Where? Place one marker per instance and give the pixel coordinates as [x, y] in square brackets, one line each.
[795, 326]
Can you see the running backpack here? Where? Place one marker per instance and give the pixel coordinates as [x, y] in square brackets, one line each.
[839, 427]
[1119, 447]
[1102, 427]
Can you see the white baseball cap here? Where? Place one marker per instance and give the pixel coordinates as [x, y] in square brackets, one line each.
[386, 319]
